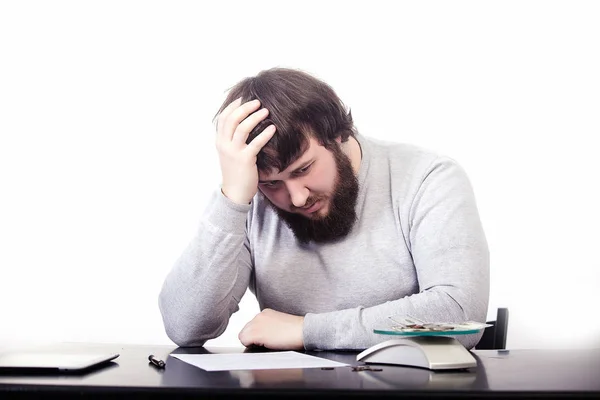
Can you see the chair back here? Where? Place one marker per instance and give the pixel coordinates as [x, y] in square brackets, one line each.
[494, 337]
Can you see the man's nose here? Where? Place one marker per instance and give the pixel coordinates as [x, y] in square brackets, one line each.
[298, 193]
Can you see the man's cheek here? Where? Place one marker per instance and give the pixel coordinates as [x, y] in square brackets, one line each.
[279, 202]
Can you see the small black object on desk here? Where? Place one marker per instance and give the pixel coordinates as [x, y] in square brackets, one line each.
[160, 364]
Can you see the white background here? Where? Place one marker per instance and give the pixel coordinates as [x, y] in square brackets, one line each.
[107, 143]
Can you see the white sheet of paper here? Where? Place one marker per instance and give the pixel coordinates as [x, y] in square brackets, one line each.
[271, 360]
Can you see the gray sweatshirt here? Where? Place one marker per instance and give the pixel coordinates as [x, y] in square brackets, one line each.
[417, 248]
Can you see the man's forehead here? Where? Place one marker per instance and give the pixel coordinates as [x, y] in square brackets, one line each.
[267, 175]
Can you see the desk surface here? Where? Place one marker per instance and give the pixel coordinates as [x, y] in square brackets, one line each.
[498, 374]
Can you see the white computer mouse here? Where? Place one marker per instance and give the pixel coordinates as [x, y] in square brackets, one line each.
[431, 352]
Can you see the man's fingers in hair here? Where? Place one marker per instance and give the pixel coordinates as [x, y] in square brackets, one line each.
[232, 121]
[256, 145]
[245, 127]
[225, 113]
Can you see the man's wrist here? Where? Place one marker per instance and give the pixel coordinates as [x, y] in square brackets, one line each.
[236, 198]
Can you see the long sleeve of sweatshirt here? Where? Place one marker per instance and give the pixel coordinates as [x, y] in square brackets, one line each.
[210, 277]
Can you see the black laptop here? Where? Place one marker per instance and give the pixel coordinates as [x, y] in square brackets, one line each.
[53, 361]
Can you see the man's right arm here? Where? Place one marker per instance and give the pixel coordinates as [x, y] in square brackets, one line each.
[205, 285]
[209, 279]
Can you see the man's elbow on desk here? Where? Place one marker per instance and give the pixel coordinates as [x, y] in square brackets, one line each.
[183, 339]
[184, 331]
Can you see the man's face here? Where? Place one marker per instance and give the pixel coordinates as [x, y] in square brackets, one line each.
[316, 195]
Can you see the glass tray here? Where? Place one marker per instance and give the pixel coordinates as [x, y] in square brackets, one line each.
[466, 328]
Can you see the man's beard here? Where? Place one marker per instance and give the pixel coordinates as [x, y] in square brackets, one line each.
[341, 215]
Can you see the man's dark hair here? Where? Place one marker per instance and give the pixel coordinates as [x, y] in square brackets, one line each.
[299, 106]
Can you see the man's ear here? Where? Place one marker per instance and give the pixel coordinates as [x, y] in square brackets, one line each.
[339, 139]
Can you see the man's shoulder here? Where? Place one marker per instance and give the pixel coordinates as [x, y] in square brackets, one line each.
[403, 155]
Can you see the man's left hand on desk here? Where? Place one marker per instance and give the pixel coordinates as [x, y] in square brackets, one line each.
[274, 330]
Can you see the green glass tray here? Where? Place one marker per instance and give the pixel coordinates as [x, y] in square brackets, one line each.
[388, 331]
[465, 328]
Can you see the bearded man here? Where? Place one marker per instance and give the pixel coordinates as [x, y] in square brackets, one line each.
[331, 230]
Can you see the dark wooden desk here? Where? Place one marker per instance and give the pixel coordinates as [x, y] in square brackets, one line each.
[517, 373]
